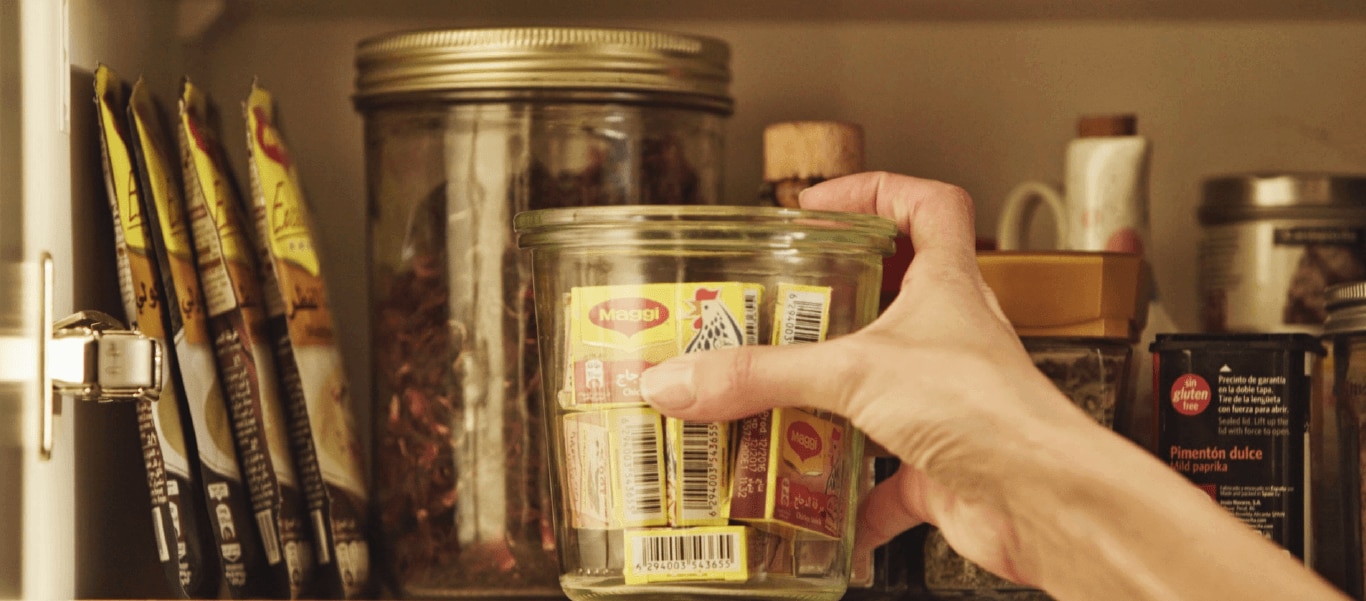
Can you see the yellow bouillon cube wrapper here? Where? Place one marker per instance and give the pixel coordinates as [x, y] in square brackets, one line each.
[587, 469]
[791, 473]
[614, 468]
[698, 472]
[801, 314]
[717, 553]
[617, 332]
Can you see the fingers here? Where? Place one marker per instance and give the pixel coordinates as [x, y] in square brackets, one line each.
[892, 507]
[742, 381]
[937, 216]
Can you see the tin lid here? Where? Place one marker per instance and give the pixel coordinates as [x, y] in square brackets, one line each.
[1282, 195]
[1298, 342]
[501, 63]
[1067, 294]
[1346, 305]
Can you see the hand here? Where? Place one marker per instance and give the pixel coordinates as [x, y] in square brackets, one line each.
[940, 380]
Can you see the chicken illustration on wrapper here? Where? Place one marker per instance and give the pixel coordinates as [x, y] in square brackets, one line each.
[627, 467]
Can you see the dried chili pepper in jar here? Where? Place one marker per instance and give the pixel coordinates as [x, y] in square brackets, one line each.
[464, 129]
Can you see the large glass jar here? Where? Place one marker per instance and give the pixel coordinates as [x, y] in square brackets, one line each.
[653, 508]
[464, 129]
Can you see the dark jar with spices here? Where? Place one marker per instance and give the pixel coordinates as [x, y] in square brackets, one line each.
[463, 130]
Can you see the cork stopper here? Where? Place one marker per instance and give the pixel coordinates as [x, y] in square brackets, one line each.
[812, 149]
[1096, 126]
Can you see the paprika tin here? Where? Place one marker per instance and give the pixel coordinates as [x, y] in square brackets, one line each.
[1232, 416]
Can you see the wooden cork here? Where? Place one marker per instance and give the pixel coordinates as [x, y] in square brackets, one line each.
[812, 149]
[1096, 126]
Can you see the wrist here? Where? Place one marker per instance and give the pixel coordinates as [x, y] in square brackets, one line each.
[1098, 517]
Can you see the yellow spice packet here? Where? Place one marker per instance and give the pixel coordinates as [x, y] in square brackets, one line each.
[165, 452]
[324, 437]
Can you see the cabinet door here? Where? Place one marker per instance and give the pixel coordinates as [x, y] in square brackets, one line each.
[37, 463]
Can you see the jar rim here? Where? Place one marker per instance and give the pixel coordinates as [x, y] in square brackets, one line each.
[637, 225]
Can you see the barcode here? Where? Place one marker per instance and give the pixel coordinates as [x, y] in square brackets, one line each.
[752, 314]
[676, 553]
[266, 525]
[640, 454]
[701, 468]
[163, 550]
[803, 316]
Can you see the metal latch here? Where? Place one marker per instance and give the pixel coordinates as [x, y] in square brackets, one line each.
[92, 357]
[89, 356]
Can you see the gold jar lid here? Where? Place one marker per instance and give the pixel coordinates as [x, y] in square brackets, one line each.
[482, 65]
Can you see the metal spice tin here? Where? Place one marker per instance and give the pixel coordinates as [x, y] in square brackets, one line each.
[1272, 243]
[1232, 414]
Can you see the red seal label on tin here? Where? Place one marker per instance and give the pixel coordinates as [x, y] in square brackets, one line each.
[1190, 394]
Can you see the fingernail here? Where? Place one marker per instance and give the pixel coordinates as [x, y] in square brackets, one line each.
[669, 384]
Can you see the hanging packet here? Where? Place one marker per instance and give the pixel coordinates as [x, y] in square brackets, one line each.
[166, 452]
[256, 417]
[323, 433]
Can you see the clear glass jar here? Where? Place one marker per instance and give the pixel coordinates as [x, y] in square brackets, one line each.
[1338, 418]
[760, 508]
[464, 129]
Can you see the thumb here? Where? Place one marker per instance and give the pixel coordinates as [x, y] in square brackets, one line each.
[738, 382]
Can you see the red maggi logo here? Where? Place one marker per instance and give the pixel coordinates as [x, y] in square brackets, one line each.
[805, 441]
[628, 315]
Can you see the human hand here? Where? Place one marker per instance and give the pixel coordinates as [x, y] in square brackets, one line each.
[940, 380]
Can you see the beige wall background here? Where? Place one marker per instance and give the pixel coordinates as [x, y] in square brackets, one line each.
[981, 104]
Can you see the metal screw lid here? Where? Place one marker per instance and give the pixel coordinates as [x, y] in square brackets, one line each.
[1346, 304]
[500, 63]
[1281, 195]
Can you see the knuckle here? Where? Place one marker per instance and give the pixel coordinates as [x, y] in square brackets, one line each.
[959, 196]
[848, 358]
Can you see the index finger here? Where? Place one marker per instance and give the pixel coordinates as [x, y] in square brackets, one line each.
[937, 216]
